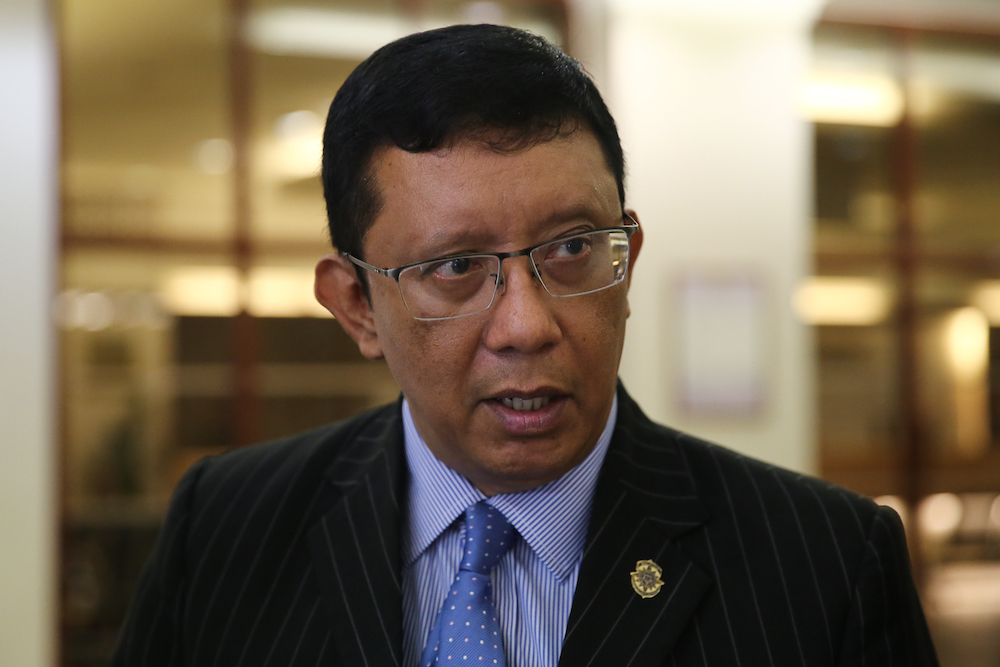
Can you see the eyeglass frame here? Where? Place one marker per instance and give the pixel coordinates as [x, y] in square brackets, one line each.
[628, 229]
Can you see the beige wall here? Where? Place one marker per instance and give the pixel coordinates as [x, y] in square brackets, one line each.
[28, 187]
[720, 173]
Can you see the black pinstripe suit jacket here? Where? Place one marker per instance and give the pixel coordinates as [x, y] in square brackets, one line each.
[288, 554]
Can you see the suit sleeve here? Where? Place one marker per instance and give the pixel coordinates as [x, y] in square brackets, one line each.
[151, 635]
[886, 624]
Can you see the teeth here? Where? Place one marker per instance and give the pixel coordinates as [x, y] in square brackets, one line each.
[526, 404]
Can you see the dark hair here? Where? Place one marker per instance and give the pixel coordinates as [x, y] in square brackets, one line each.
[510, 88]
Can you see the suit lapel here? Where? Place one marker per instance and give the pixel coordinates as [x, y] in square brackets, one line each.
[355, 545]
[644, 500]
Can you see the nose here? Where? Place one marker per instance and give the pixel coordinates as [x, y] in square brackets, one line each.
[521, 317]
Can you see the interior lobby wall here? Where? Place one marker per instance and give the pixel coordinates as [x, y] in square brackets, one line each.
[28, 196]
[720, 175]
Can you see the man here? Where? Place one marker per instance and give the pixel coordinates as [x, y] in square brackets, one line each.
[515, 507]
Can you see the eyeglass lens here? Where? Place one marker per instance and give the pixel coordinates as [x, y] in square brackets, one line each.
[465, 285]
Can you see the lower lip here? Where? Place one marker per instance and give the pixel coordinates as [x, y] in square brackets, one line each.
[528, 422]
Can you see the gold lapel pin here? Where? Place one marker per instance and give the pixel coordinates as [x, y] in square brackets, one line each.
[646, 578]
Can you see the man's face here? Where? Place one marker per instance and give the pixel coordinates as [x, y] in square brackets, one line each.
[460, 375]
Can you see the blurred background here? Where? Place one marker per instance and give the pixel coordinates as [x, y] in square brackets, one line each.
[820, 285]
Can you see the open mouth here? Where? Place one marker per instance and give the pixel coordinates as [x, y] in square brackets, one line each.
[525, 404]
[529, 413]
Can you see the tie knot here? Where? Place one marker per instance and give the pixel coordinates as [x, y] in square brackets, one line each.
[488, 536]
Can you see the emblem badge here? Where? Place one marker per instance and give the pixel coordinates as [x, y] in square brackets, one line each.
[646, 578]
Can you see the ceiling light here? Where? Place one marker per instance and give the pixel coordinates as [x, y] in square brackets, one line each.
[986, 297]
[214, 156]
[967, 340]
[217, 291]
[940, 514]
[342, 34]
[298, 124]
[298, 148]
[202, 290]
[283, 292]
[852, 99]
[835, 301]
[93, 311]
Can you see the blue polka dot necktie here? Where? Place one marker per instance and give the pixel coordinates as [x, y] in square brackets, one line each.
[466, 629]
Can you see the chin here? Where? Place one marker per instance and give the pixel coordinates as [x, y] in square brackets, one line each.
[524, 475]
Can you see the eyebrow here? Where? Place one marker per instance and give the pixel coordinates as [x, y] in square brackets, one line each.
[442, 243]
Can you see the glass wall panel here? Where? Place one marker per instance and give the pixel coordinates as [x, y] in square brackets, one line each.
[908, 405]
[857, 347]
[956, 97]
[146, 142]
[854, 95]
[146, 191]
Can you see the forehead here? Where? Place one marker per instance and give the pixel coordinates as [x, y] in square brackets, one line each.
[469, 196]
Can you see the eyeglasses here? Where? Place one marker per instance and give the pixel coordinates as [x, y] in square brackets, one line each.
[460, 285]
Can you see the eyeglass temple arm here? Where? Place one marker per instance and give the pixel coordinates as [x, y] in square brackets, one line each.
[389, 273]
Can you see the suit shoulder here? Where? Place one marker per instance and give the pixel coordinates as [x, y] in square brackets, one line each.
[799, 486]
[277, 463]
[740, 482]
[724, 478]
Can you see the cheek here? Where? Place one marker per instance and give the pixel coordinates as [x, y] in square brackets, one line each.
[424, 356]
[396, 335]
[601, 347]
[602, 332]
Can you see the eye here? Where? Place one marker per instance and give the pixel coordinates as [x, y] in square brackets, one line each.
[453, 268]
[569, 248]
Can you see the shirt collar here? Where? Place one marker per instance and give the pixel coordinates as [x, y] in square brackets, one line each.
[552, 518]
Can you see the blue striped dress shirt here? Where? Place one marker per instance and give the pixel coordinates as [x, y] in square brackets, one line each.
[534, 582]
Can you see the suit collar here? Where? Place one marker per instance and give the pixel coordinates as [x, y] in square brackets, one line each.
[645, 500]
[355, 545]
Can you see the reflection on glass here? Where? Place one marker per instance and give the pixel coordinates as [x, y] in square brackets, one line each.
[854, 96]
[956, 85]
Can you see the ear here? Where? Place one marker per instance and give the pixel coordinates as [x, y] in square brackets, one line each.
[338, 289]
[634, 244]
